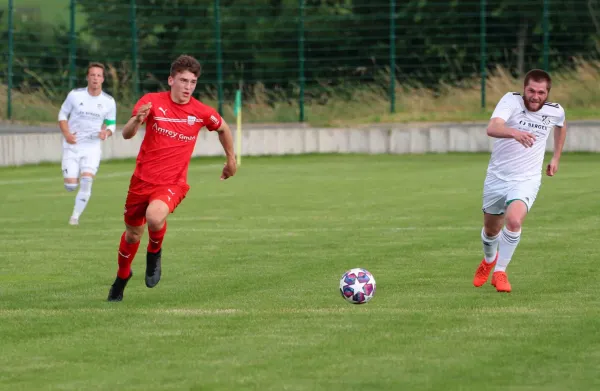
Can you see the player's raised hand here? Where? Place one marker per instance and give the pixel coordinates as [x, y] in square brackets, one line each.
[71, 138]
[229, 169]
[525, 138]
[143, 112]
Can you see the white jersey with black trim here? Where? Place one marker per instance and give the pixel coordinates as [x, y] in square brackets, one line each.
[86, 114]
[510, 160]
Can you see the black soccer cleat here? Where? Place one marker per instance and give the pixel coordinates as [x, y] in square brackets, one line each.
[153, 268]
[117, 288]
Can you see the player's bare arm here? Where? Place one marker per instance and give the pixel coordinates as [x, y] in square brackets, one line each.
[64, 128]
[226, 139]
[497, 128]
[560, 134]
[131, 127]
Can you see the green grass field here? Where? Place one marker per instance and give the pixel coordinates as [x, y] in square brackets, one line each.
[249, 297]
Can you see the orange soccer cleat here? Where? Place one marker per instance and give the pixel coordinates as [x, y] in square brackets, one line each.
[500, 281]
[483, 272]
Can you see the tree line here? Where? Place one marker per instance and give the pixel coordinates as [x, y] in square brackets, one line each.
[345, 41]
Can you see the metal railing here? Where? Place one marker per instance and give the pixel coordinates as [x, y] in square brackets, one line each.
[299, 50]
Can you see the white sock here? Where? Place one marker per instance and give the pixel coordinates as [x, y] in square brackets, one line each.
[490, 246]
[83, 196]
[508, 244]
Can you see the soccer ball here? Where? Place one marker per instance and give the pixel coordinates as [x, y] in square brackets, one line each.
[357, 286]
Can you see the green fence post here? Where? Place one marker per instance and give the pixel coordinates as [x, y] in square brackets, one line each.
[134, 51]
[301, 77]
[72, 47]
[392, 56]
[483, 54]
[546, 28]
[219, 55]
[10, 60]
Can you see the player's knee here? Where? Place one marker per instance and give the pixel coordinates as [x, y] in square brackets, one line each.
[155, 221]
[491, 232]
[70, 186]
[156, 215]
[133, 236]
[492, 225]
[85, 184]
[514, 223]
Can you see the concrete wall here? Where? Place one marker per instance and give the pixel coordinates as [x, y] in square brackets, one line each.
[34, 145]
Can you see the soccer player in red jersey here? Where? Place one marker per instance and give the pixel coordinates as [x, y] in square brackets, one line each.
[159, 183]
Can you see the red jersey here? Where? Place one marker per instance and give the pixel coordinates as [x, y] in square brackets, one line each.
[171, 133]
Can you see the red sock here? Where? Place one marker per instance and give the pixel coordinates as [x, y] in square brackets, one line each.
[156, 239]
[126, 254]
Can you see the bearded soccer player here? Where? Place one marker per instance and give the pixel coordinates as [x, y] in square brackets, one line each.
[522, 125]
[159, 183]
[86, 118]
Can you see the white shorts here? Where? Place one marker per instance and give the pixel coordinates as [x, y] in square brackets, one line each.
[498, 194]
[77, 159]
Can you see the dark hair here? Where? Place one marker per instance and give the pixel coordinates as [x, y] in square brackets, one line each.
[539, 76]
[185, 63]
[96, 65]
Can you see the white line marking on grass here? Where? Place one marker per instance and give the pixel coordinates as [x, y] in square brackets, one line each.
[192, 311]
[291, 231]
[342, 309]
[101, 176]
[58, 178]
[257, 230]
[91, 221]
[115, 307]
[249, 230]
[282, 230]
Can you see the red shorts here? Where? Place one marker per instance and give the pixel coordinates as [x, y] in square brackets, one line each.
[140, 195]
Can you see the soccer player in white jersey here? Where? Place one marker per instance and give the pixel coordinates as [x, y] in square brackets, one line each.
[86, 118]
[521, 124]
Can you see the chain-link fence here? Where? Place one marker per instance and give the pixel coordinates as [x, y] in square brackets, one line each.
[289, 51]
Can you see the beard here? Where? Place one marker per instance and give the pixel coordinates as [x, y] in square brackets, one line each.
[532, 106]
